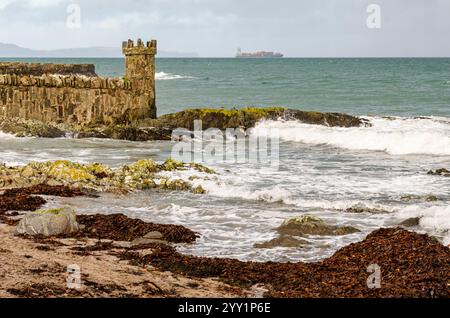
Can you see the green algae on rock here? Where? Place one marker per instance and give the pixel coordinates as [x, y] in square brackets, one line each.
[143, 174]
[249, 117]
[310, 225]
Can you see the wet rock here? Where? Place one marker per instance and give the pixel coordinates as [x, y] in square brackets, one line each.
[361, 208]
[412, 197]
[309, 225]
[439, 172]
[431, 198]
[283, 241]
[411, 222]
[49, 223]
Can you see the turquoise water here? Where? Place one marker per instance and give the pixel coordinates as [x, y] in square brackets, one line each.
[323, 171]
[403, 87]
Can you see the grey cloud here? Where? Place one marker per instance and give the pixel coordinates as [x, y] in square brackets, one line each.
[218, 27]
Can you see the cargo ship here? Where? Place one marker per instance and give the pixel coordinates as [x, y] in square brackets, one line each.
[260, 54]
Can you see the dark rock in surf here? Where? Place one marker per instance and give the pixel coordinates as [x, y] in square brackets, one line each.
[309, 225]
[283, 241]
[439, 172]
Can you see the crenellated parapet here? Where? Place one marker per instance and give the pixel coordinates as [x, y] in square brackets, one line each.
[129, 48]
[75, 94]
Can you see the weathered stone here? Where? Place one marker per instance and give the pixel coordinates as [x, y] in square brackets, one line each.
[49, 223]
[309, 225]
[36, 69]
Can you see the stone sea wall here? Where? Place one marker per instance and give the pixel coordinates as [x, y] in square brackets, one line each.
[36, 69]
[74, 94]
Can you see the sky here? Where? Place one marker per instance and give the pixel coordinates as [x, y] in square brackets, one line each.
[216, 28]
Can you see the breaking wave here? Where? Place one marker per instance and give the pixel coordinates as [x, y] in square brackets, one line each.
[434, 219]
[162, 76]
[396, 136]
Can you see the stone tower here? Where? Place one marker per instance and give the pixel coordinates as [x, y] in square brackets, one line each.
[140, 71]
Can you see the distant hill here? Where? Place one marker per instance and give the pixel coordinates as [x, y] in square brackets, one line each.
[12, 50]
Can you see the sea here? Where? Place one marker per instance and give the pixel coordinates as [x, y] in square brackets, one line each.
[324, 172]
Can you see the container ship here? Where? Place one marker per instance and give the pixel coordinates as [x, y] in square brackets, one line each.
[260, 54]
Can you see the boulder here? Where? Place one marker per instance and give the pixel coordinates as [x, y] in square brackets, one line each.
[49, 223]
[309, 225]
[411, 222]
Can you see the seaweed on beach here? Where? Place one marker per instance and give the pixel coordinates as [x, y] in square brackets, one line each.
[119, 227]
[26, 199]
[412, 265]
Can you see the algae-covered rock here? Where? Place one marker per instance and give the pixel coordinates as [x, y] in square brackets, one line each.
[248, 117]
[141, 175]
[162, 127]
[49, 223]
[309, 225]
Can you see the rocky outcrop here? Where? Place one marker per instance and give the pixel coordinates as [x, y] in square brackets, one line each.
[309, 225]
[49, 223]
[248, 117]
[144, 174]
[162, 128]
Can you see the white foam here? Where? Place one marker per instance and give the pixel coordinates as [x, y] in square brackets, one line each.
[435, 219]
[396, 136]
[279, 194]
[162, 76]
[6, 136]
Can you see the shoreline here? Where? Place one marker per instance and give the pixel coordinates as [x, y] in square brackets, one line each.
[412, 265]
